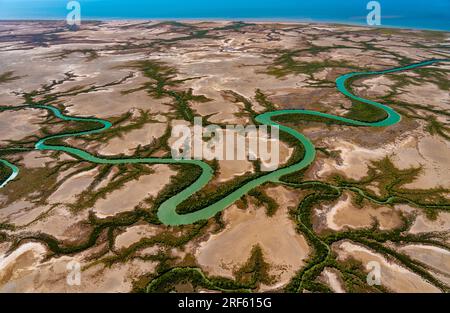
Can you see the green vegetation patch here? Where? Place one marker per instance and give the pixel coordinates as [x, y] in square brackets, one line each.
[8, 76]
[263, 199]
[285, 64]
[255, 271]
[163, 84]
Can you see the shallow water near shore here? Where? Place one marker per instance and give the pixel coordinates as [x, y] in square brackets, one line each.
[417, 14]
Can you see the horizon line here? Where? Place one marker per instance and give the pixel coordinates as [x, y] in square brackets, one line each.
[231, 19]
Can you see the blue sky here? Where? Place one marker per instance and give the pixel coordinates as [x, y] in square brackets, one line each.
[425, 13]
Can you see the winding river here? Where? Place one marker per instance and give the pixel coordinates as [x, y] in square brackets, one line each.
[167, 211]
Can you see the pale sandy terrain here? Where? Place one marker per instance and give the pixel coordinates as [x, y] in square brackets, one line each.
[233, 168]
[234, 150]
[376, 86]
[73, 187]
[426, 94]
[131, 140]
[355, 159]
[437, 258]
[220, 74]
[410, 52]
[434, 156]
[15, 125]
[283, 248]
[134, 234]
[62, 224]
[344, 214]
[331, 278]
[421, 150]
[134, 192]
[393, 276]
[357, 56]
[38, 159]
[423, 224]
[25, 271]
[22, 212]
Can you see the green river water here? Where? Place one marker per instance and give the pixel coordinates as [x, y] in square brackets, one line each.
[167, 211]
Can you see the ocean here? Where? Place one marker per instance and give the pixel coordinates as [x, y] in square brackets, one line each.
[417, 14]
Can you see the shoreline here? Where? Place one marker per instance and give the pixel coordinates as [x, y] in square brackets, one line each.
[274, 20]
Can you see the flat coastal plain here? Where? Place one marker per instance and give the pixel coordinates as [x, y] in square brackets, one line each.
[371, 194]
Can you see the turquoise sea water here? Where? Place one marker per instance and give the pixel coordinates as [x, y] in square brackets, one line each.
[421, 14]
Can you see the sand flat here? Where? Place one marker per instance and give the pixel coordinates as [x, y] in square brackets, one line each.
[393, 276]
[283, 247]
[134, 192]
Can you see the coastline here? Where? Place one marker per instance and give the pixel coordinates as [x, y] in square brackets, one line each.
[274, 20]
